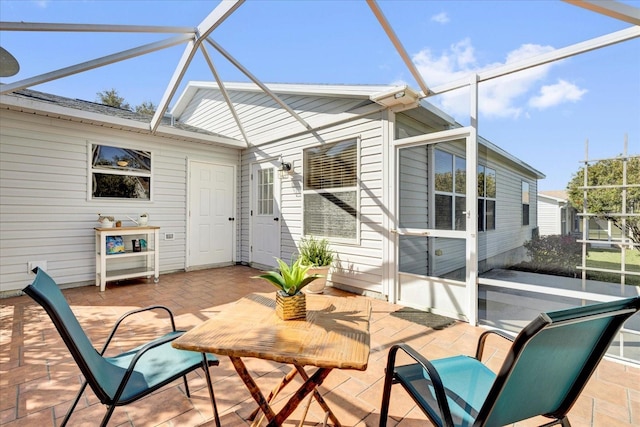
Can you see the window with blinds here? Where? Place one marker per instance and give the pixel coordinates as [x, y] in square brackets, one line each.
[331, 190]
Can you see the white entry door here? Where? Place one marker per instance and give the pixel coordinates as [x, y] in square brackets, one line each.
[265, 214]
[211, 214]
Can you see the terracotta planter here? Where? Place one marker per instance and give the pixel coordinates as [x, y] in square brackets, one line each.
[318, 285]
[289, 307]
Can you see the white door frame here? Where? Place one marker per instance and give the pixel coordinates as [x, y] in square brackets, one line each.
[188, 207]
[470, 234]
[277, 195]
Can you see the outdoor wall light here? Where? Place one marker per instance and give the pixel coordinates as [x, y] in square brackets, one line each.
[285, 168]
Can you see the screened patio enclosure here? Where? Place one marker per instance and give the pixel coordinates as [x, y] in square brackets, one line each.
[442, 202]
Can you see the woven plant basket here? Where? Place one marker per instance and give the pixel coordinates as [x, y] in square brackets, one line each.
[289, 307]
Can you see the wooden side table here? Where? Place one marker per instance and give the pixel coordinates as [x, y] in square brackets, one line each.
[106, 267]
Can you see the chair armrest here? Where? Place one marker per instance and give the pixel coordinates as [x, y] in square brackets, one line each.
[483, 338]
[441, 397]
[129, 313]
[141, 351]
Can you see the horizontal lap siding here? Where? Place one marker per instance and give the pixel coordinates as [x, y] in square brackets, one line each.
[414, 202]
[263, 119]
[509, 233]
[44, 212]
[549, 217]
[359, 265]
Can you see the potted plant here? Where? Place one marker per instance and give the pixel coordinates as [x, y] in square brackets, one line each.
[290, 279]
[317, 254]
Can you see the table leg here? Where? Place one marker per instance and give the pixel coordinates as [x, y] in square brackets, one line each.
[319, 398]
[309, 385]
[252, 386]
[283, 383]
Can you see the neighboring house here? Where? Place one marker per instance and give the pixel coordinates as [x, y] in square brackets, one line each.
[382, 175]
[555, 214]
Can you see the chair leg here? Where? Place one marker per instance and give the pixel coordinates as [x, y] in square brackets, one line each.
[186, 386]
[386, 391]
[73, 405]
[107, 416]
[205, 366]
[564, 422]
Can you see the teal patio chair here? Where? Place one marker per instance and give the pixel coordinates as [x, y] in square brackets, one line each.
[545, 370]
[127, 377]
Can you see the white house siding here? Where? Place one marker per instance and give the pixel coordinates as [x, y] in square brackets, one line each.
[263, 119]
[44, 213]
[270, 128]
[360, 265]
[414, 203]
[549, 216]
[496, 248]
[503, 246]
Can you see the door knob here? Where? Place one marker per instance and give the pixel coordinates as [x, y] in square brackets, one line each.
[276, 219]
[231, 219]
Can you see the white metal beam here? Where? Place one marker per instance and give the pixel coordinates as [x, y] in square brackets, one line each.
[95, 63]
[92, 28]
[224, 92]
[613, 9]
[215, 18]
[259, 83]
[398, 45]
[176, 78]
[578, 48]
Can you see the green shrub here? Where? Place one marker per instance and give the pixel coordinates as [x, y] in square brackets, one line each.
[559, 253]
[315, 252]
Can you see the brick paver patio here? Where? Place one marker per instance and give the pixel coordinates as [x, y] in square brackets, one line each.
[38, 378]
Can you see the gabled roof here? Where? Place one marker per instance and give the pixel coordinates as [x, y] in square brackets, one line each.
[557, 195]
[79, 110]
[375, 96]
[330, 90]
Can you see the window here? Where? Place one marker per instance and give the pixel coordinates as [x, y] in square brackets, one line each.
[330, 190]
[120, 173]
[265, 191]
[450, 188]
[486, 198]
[525, 203]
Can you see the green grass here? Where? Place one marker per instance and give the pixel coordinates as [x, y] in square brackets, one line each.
[610, 259]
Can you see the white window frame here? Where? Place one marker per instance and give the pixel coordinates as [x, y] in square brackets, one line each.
[522, 203]
[454, 195]
[91, 171]
[485, 198]
[356, 188]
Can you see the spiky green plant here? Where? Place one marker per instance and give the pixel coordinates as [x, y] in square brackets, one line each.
[289, 279]
[315, 252]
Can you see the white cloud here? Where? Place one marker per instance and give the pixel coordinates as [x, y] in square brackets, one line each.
[441, 18]
[552, 95]
[42, 3]
[503, 97]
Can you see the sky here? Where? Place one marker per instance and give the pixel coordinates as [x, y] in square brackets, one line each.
[542, 115]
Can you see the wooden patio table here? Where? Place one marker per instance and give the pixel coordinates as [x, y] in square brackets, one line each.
[335, 334]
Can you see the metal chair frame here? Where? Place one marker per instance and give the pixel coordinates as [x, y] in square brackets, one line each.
[47, 294]
[609, 317]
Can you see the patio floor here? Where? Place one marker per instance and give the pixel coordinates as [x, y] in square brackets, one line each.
[38, 378]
